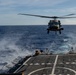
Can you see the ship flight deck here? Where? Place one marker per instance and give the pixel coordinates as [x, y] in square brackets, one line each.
[64, 64]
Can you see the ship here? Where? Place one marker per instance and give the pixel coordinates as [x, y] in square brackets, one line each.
[45, 63]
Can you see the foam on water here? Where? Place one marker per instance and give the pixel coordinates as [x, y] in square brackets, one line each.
[19, 41]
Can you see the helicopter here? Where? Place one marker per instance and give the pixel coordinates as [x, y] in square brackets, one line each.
[53, 25]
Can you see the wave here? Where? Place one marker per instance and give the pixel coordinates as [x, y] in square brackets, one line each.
[17, 42]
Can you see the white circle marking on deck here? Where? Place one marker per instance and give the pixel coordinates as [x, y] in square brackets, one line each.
[51, 67]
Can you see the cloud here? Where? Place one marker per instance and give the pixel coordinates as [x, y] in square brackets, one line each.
[7, 6]
[31, 2]
[68, 10]
[40, 3]
[10, 8]
[6, 2]
[69, 21]
[48, 2]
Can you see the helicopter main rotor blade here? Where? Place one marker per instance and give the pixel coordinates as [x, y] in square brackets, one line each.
[37, 15]
[70, 14]
[66, 17]
[54, 17]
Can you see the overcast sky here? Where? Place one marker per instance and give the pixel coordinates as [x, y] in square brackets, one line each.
[9, 10]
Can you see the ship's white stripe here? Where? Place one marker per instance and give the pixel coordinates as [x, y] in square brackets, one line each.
[22, 65]
[27, 60]
[54, 65]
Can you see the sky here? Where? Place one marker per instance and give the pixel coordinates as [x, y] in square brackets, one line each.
[9, 10]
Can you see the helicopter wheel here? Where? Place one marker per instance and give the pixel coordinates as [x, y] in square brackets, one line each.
[48, 31]
[59, 31]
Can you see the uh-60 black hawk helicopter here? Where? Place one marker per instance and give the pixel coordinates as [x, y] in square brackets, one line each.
[53, 25]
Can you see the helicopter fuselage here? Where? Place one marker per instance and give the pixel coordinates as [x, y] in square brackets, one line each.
[54, 25]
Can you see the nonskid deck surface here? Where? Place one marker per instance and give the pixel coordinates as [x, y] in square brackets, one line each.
[49, 65]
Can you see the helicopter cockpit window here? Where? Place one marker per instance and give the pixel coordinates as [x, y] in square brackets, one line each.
[53, 22]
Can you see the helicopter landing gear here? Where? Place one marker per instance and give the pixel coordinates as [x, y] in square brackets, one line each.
[59, 31]
[48, 31]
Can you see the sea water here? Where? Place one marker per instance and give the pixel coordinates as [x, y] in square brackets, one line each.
[19, 41]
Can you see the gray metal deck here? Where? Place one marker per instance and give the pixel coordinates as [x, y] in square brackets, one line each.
[49, 65]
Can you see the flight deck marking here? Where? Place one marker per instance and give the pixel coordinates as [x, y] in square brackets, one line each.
[39, 70]
[68, 69]
[36, 64]
[73, 63]
[67, 62]
[22, 65]
[48, 63]
[42, 63]
[53, 70]
[31, 63]
[27, 60]
[50, 68]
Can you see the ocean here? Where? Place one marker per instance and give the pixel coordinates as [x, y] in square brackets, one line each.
[19, 41]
